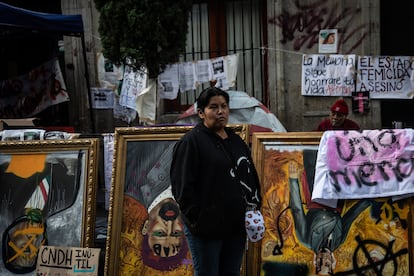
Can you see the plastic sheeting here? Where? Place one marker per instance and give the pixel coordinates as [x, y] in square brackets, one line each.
[244, 109]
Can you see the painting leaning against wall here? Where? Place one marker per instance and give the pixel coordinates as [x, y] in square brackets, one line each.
[145, 230]
[47, 197]
[358, 237]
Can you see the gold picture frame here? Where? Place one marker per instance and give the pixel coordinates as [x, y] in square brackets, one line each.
[371, 235]
[128, 208]
[48, 192]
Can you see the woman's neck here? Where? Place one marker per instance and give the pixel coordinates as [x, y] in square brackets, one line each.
[222, 133]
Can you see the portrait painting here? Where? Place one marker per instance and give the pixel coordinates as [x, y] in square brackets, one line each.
[145, 230]
[47, 197]
[366, 236]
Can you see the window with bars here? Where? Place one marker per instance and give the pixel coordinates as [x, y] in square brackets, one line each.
[220, 28]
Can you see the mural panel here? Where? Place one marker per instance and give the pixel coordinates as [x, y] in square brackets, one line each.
[358, 237]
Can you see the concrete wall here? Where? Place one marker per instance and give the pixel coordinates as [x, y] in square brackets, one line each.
[293, 28]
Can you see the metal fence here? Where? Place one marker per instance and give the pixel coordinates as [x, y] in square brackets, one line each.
[219, 28]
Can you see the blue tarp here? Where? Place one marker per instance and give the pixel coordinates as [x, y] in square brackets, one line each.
[19, 21]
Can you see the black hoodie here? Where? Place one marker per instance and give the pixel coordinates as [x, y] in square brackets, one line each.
[211, 198]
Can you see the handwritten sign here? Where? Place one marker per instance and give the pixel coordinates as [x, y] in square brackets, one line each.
[133, 85]
[67, 261]
[328, 75]
[386, 77]
[102, 98]
[367, 164]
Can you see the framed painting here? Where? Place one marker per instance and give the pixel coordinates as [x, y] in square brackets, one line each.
[358, 237]
[48, 191]
[145, 232]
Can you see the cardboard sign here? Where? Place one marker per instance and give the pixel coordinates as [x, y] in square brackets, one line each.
[68, 261]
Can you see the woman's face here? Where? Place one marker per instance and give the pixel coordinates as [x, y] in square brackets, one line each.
[216, 114]
[165, 229]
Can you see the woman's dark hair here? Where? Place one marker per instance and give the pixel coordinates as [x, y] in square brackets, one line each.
[206, 94]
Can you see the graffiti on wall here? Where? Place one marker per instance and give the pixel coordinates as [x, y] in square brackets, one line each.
[301, 25]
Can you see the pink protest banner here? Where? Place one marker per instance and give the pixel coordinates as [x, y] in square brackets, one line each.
[367, 164]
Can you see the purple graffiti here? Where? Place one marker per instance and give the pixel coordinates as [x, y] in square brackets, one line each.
[369, 158]
[302, 27]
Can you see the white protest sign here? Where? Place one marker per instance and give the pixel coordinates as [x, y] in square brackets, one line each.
[67, 261]
[133, 85]
[367, 164]
[386, 77]
[102, 98]
[328, 75]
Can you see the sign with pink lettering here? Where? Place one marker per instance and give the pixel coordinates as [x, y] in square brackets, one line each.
[328, 75]
[367, 164]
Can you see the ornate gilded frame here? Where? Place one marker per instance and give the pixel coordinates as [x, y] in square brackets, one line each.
[368, 244]
[136, 137]
[70, 208]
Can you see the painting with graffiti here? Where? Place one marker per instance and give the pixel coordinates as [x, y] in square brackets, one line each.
[47, 197]
[146, 234]
[365, 236]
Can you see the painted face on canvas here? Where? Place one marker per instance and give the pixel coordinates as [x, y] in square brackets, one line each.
[165, 229]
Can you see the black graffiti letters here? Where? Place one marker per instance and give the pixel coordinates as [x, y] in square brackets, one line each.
[370, 160]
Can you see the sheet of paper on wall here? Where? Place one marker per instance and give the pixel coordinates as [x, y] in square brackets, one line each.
[186, 76]
[219, 73]
[204, 71]
[69, 261]
[102, 98]
[386, 77]
[146, 104]
[231, 62]
[328, 41]
[134, 84]
[168, 82]
[109, 75]
[328, 75]
[124, 113]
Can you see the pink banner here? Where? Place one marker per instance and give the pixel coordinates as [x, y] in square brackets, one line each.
[367, 164]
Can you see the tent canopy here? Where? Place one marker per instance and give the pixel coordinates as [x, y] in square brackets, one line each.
[16, 21]
[244, 109]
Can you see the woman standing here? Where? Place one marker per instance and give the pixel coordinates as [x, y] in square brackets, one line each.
[214, 181]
